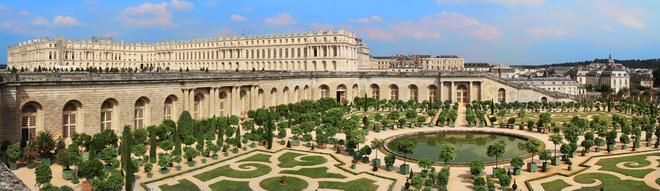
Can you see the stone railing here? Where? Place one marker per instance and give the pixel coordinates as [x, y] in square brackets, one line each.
[9, 181]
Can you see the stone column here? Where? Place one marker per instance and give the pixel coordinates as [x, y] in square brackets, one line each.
[452, 93]
[253, 97]
[235, 100]
[440, 91]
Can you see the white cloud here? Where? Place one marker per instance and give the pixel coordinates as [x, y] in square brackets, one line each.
[237, 18]
[247, 9]
[281, 19]
[24, 13]
[366, 20]
[181, 5]
[530, 3]
[147, 14]
[65, 21]
[541, 32]
[432, 27]
[627, 16]
[40, 21]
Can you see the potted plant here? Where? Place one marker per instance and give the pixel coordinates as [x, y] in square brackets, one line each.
[406, 147]
[377, 144]
[147, 169]
[13, 153]
[533, 147]
[164, 162]
[556, 139]
[517, 162]
[190, 154]
[66, 158]
[389, 162]
[43, 174]
[545, 156]
[89, 170]
[140, 150]
[213, 150]
[177, 160]
[625, 139]
[476, 167]
[610, 138]
[599, 143]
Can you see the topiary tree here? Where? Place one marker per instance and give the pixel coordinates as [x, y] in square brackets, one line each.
[13, 153]
[447, 153]
[517, 162]
[91, 169]
[476, 167]
[127, 165]
[377, 144]
[425, 164]
[190, 153]
[496, 150]
[533, 147]
[406, 147]
[556, 139]
[140, 150]
[66, 158]
[43, 174]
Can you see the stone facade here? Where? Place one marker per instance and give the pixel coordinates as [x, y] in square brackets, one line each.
[337, 50]
[561, 85]
[47, 99]
[610, 74]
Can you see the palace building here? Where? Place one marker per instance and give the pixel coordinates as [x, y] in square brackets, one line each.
[244, 73]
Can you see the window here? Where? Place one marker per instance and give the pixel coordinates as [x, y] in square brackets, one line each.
[501, 95]
[433, 93]
[394, 92]
[375, 92]
[29, 121]
[167, 108]
[106, 115]
[221, 105]
[413, 93]
[138, 114]
[69, 120]
[325, 92]
[197, 114]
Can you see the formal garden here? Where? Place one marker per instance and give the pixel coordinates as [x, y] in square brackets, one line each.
[328, 145]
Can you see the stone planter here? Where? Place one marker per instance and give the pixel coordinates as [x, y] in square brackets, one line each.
[215, 157]
[624, 147]
[635, 144]
[178, 167]
[352, 165]
[86, 186]
[253, 145]
[597, 148]
[203, 161]
[13, 166]
[282, 142]
[404, 169]
[149, 175]
[152, 159]
[323, 146]
[389, 167]
[375, 162]
[556, 161]
[45, 161]
[235, 150]
[225, 153]
[531, 167]
[610, 147]
[164, 170]
[570, 167]
[67, 174]
[516, 171]
[545, 167]
[295, 142]
[191, 163]
[365, 160]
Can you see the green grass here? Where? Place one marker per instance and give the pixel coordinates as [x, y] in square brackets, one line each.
[229, 172]
[228, 185]
[634, 161]
[362, 184]
[259, 157]
[287, 160]
[555, 185]
[273, 184]
[320, 172]
[183, 185]
[610, 182]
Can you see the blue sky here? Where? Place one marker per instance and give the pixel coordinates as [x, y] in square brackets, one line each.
[496, 31]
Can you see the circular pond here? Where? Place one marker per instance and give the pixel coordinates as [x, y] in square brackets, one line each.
[469, 145]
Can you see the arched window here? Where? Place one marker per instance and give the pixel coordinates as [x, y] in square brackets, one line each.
[223, 100]
[140, 113]
[197, 106]
[433, 93]
[69, 118]
[169, 107]
[414, 93]
[394, 92]
[325, 91]
[107, 109]
[29, 121]
[375, 92]
[501, 95]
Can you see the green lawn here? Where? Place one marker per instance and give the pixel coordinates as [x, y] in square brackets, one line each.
[183, 185]
[228, 185]
[634, 161]
[287, 160]
[229, 172]
[273, 184]
[320, 172]
[362, 184]
[259, 157]
[555, 185]
[609, 182]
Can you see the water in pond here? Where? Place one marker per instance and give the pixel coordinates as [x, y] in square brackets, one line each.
[469, 145]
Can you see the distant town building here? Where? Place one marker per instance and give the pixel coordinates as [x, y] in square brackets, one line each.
[641, 78]
[555, 84]
[478, 67]
[503, 71]
[610, 74]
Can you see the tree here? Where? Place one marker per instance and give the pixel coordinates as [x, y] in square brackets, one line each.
[377, 144]
[126, 159]
[425, 164]
[544, 155]
[184, 127]
[517, 162]
[91, 169]
[191, 153]
[13, 152]
[45, 143]
[476, 167]
[111, 183]
[140, 150]
[479, 184]
[447, 153]
[533, 146]
[556, 139]
[406, 147]
[496, 150]
[66, 158]
[43, 174]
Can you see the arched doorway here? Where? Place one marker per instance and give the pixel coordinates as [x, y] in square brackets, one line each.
[341, 94]
[462, 94]
[544, 100]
